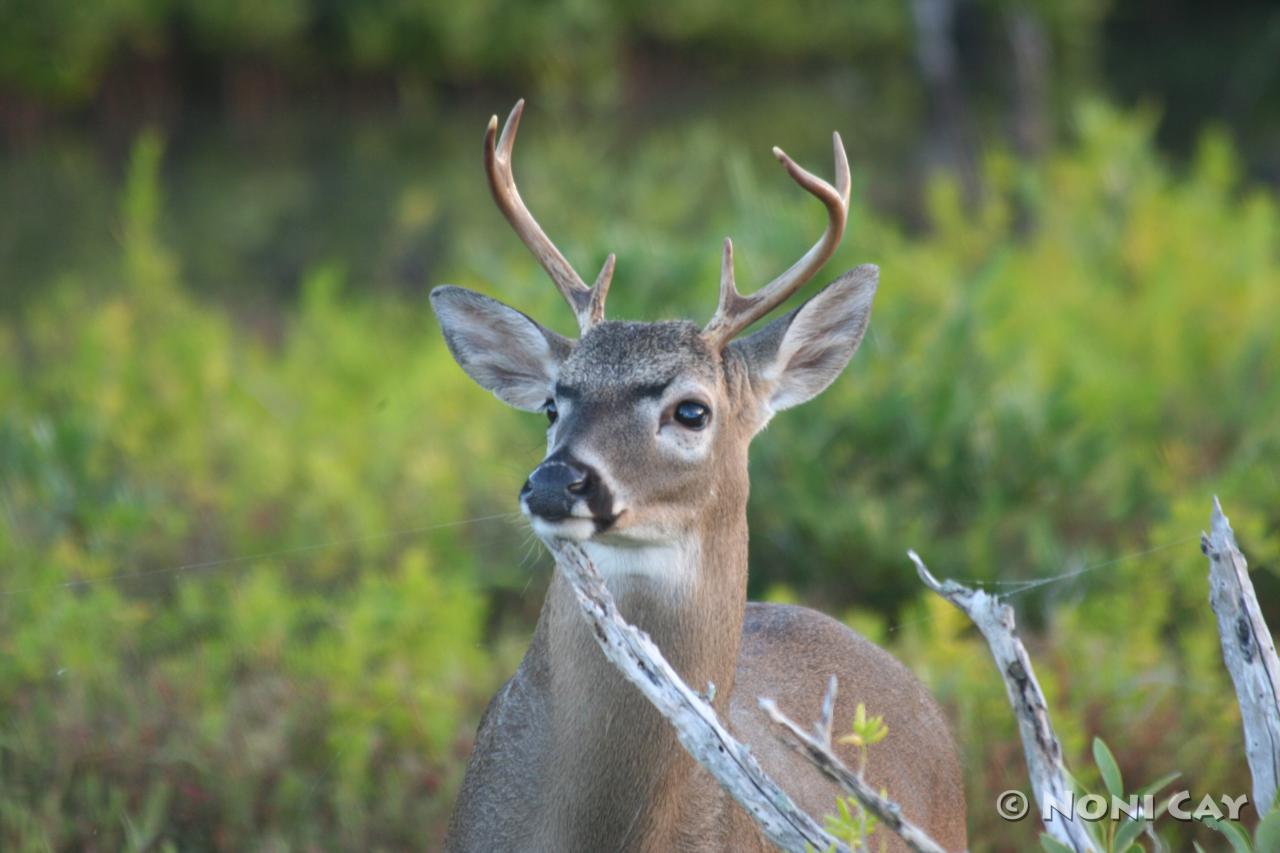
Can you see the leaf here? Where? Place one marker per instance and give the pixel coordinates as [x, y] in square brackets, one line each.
[1107, 766]
[1267, 836]
[1158, 785]
[1073, 782]
[1240, 842]
[1125, 835]
[1053, 845]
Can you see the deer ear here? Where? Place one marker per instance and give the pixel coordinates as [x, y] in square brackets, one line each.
[500, 348]
[795, 358]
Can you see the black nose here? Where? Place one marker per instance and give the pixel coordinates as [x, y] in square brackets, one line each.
[554, 487]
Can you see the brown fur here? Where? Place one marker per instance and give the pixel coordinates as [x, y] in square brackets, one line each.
[569, 756]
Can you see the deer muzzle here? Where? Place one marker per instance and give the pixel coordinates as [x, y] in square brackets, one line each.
[563, 491]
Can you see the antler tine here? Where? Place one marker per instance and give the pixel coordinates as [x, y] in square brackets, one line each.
[600, 290]
[587, 302]
[735, 312]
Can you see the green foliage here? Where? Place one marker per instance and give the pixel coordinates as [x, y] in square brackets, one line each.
[852, 824]
[1106, 763]
[1115, 836]
[1056, 379]
[321, 693]
[1265, 839]
[1053, 845]
[63, 51]
[864, 732]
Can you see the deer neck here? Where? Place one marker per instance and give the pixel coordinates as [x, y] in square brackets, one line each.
[619, 775]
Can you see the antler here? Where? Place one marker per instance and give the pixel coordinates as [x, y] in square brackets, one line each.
[587, 302]
[735, 311]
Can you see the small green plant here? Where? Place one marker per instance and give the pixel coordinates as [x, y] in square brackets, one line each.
[852, 823]
[1266, 837]
[1121, 835]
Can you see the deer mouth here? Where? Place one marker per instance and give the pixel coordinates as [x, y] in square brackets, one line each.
[605, 523]
[575, 526]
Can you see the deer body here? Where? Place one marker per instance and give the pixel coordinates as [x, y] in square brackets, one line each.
[649, 425]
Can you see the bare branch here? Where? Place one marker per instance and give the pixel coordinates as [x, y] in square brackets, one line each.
[1039, 743]
[697, 726]
[817, 748]
[828, 711]
[1249, 653]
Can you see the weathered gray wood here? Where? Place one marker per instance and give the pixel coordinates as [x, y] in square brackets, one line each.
[816, 747]
[1249, 653]
[1039, 743]
[697, 726]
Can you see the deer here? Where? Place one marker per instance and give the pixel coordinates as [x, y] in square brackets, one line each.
[648, 428]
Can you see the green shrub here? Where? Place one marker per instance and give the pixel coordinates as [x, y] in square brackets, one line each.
[1056, 380]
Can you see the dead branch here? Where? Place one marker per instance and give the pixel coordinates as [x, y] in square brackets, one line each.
[1249, 653]
[697, 726]
[1039, 743]
[816, 747]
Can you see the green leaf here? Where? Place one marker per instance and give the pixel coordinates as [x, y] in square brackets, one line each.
[1107, 766]
[1158, 785]
[1125, 835]
[1053, 845]
[1072, 782]
[1240, 842]
[1267, 836]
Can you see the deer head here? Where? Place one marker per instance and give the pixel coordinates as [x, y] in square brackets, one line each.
[649, 423]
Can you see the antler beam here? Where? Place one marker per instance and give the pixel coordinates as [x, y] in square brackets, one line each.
[735, 311]
[587, 302]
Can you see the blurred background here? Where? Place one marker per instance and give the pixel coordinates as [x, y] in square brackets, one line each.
[259, 567]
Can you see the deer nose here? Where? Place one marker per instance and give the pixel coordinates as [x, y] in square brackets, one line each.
[554, 487]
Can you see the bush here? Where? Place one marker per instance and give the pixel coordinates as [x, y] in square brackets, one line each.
[1056, 380]
[312, 693]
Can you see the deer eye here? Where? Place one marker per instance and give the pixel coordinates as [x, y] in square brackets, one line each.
[692, 414]
[551, 410]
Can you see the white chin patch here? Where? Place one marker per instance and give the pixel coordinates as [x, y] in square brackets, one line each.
[574, 529]
[669, 563]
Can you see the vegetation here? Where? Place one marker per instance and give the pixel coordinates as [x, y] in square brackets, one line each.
[852, 823]
[260, 569]
[64, 52]
[1118, 830]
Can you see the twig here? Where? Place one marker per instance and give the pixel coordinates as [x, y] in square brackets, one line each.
[817, 748]
[1249, 653]
[1039, 743]
[696, 724]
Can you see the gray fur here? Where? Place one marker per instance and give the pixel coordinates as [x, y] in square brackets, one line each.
[500, 348]
[614, 355]
[797, 356]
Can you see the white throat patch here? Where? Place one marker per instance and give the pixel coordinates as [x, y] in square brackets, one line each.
[670, 563]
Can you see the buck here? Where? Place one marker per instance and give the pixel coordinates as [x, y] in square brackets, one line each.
[646, 468]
